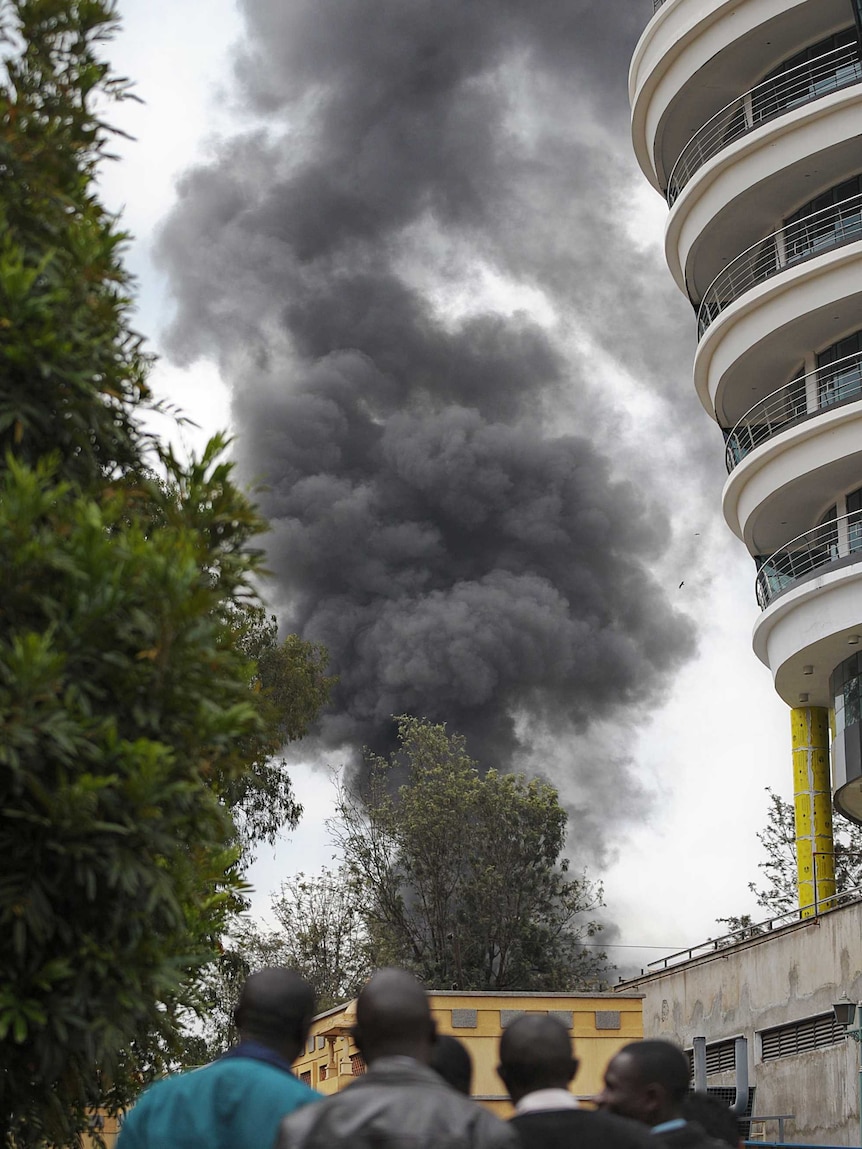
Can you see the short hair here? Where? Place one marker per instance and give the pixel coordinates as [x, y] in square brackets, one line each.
[536, 1053]
[661, 1062]
[712, 1115]
[275, 1004]
[451, 1059]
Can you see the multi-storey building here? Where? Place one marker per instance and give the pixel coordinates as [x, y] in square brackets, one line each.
[747, 116]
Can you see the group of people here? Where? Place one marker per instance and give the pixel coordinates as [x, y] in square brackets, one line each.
[415, 1093]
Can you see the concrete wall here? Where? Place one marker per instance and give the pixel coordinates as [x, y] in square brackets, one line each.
[788, 975]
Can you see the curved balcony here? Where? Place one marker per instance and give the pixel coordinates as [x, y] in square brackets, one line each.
[792, 244]
[836, 69]
[789, 405]
[836, 542]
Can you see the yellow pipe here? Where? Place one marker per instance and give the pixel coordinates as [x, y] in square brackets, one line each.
[812, 803]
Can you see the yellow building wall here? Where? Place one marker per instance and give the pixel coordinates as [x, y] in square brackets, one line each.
[110, 1131]
[601, 1024]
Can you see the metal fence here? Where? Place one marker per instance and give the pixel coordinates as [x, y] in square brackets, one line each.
[835, 69]
[794, 243]
[839, 383]
[808, 552]
[754, 930]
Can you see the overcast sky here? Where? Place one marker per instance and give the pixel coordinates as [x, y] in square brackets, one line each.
[543, 248]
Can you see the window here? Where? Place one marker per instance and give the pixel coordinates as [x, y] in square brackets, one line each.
[801, 1037]
[854, 520]
[844, 687]
[839, 371]
[828, 219]
[807, 75]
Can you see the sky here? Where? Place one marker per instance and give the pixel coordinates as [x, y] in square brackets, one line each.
[458, 344]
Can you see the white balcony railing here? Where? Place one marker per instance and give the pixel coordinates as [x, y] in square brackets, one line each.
[836, 541]
[795, 402]
[809, 81]
[794, 243]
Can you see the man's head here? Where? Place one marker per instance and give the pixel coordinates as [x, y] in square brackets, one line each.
[275, 1007]
[646, 1081]
[713, 1116]
[536, 1053]
[451, 1059]
[393, 1018]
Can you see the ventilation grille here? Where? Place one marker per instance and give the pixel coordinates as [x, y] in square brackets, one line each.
[720, 1057]
[801, 1037]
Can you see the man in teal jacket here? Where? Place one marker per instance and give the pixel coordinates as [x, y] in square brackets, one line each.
[237, 1101]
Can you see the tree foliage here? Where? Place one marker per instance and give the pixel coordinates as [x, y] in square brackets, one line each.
[459, 875]
[290, 687]
[779, 894]
[130, 703]
[320, 932]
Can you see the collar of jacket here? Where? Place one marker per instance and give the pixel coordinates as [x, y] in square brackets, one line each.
[257, 1051]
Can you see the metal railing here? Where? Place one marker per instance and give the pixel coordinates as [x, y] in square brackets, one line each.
[656, 4]
[832, 541]
[839, 383]
[838, 68]
[754, 930]
[794, 243]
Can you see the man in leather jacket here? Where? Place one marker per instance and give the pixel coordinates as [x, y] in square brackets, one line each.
[400, 1100]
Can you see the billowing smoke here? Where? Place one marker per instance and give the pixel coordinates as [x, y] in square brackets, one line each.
[418, 271]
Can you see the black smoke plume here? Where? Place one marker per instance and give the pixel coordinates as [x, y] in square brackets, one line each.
[416, 269]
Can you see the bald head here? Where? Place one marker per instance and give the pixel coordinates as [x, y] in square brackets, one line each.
[536, 1053]
[393, 1017]
[275, 1007]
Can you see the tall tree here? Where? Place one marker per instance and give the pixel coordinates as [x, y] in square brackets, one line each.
[128, 707]
[290, 686]
[459, 874]
[779, 894]
[320, 932]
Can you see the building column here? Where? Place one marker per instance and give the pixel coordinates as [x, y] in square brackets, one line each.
[812, 802]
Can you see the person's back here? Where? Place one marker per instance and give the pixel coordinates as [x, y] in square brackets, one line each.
[400, 1101]
[237, 1101]
[233, 1103]
[536, 1066]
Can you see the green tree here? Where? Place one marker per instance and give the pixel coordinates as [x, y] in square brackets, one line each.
[459, 874]
[130, 703]
[321, 933]
[779, 894]
[290, 687]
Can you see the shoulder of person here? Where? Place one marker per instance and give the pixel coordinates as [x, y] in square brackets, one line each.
[623, 1130]
[294, 1127]
[492, 1130]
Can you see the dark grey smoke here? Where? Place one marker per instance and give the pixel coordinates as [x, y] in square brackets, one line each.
[452, 510]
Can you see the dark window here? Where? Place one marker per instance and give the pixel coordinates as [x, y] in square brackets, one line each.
[801, 1037]
[833, 217]
[792, 83]
[844, 687]
[839, 371]
[854, 520]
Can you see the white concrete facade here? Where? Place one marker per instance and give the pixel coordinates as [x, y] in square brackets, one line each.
[770, 985]
[747, 115]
